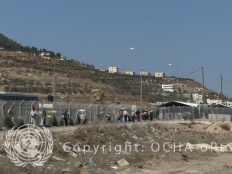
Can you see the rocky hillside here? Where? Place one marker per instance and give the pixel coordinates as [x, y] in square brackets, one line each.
[30, 73]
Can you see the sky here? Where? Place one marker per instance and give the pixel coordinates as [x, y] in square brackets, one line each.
[190, 34]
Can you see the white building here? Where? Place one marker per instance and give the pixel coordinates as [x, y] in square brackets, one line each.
[228, 103]
[197, 98]
[129, 73]
[45, 55]
[168, 88]
[113, 69]
[159, 74]
[63, 58]
[145, 73]
[102, 69]
[214, 102]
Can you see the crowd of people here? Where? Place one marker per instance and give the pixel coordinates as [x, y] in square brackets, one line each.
[123, 116]
[146, 115]
[34, 114]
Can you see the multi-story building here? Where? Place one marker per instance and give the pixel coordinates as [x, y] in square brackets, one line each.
[214, 102]
[113, 69]
[197, 98]
[168, 88]
[228, 103]
[159, 74]
[145, 73]
[129, 73]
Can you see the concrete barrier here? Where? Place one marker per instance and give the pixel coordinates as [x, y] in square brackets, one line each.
[219, 117]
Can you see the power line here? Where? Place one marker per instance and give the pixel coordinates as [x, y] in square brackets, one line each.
[191, 72]
[212, 79]
[227, 80]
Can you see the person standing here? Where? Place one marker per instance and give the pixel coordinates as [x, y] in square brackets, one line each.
[44, 118]
[125, 114]
[145, 115]
[133, 116]
[157, 114]
[33, 115]
[66, 115]
[120, 115]
[151, 114]
[138, 115]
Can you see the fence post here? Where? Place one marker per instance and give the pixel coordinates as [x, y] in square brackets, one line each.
[32, 103]
[70, 109]
[53, 112]
[91, 112]
[193, 113]
[20, 110]
[3, 113]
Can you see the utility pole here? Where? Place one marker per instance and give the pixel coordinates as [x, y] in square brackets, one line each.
[203, 84]
[54, 84]
[141, 79]
[54, 89]
[177, 89]
[221, 90]
[69, 84]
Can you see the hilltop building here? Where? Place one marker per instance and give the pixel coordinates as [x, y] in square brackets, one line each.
[167, 88]
[102, 69]
[129, 73]
[214, 102]
[159, 74]
[197, 98]
[46, 55]
[113, 69]
[145, 73]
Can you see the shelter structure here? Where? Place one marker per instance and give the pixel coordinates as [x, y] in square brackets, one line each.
[178, 103]
[179, 110]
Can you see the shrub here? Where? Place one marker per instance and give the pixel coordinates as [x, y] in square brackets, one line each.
[225, 126]
[61, 122]
[70, 121]
[17, 121]
[20, 122]
[8, 122]
[55, 122]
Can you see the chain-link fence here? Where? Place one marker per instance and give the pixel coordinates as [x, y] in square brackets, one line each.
[99, 113]
[192, 113]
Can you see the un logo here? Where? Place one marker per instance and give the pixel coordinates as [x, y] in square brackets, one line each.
[29, 144]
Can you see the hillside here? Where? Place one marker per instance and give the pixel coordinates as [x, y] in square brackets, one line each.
[29, 73]
[23, 69]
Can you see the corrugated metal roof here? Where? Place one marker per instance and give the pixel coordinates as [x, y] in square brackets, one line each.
[178, 103]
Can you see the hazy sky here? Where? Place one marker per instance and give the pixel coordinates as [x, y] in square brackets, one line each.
[187, 33]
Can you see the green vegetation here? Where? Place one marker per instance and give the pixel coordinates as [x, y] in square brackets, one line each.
[225, 126]
[10, 45]
[8, 122]
[55, 122]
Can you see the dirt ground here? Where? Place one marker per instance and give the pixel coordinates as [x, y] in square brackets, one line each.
[147, 147]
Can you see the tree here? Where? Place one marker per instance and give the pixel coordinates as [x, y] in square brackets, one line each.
[58, 55]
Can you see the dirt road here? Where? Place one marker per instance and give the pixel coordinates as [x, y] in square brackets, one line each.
[147, 159]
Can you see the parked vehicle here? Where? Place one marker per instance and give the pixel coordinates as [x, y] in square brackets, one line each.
[81, 116]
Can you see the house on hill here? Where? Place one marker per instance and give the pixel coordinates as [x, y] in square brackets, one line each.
[113, 69]
[45, 55]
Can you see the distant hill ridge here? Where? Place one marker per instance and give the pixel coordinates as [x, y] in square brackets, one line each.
[29, 73]
[11, 45]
